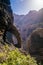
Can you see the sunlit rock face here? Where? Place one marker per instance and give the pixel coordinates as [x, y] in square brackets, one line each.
[35, 44]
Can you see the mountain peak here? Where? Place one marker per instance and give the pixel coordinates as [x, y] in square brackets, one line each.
[41, 10]
[32, 11]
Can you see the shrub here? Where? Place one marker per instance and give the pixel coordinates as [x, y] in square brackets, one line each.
[15, 57]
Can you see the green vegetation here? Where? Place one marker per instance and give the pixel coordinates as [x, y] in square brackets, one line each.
[15, 57]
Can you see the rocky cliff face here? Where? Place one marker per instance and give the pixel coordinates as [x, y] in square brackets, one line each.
[35, 44]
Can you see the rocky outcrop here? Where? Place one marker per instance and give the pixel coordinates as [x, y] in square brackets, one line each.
[6, 22]
[35, 44]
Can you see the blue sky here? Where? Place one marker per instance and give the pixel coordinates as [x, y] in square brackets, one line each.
[24, 6]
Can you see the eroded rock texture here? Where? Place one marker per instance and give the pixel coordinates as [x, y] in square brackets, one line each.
[35, 44]
[6, 21]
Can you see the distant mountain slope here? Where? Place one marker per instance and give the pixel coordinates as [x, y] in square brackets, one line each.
[31, 17]
[27, 23]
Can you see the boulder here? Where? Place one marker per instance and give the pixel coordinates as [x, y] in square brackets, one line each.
[35, 44]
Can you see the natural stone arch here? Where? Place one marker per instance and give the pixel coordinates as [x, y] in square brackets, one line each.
[6, 19]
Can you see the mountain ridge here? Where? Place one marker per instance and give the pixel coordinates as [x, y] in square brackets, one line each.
[29, 22]
[28, 18]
